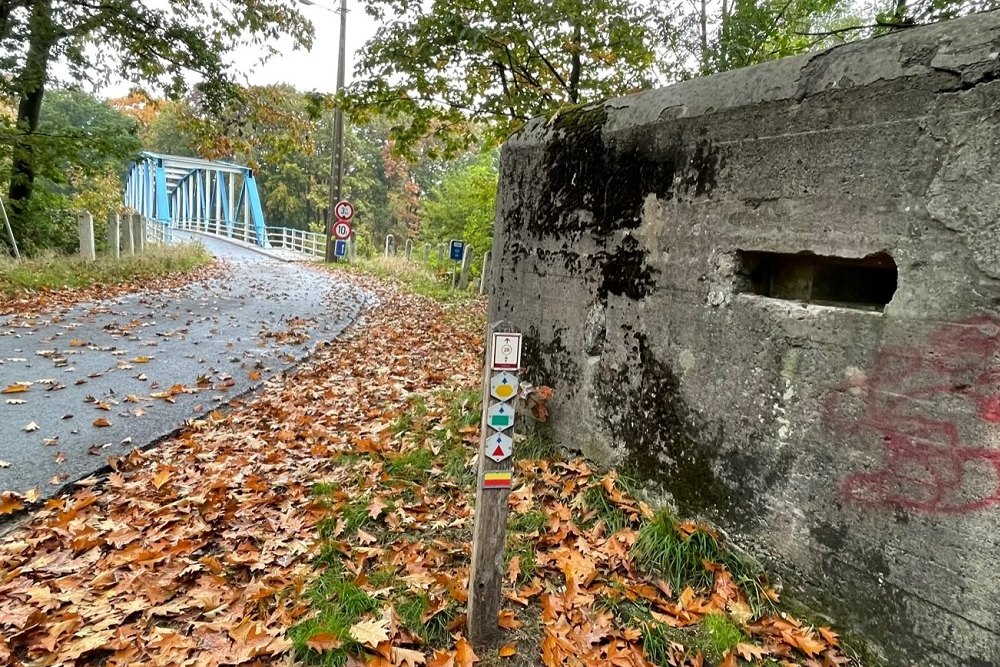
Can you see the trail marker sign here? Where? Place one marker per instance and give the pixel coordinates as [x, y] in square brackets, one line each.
[457, 250]
[506, 351]
[499, 447]
[344, 210]
[342, 229]
[503, 386]
[500, 417]
[340, 248]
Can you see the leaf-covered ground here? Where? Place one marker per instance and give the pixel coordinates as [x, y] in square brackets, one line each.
[328, 522]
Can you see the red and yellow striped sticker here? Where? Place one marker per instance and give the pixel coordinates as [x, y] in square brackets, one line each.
[497, 480]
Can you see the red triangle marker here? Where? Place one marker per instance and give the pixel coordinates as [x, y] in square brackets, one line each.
[498, 451]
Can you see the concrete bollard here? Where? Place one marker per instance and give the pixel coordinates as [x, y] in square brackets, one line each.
[442, 249]
[485, 277]
[85, 225]
[114, 235]
[352, 248]
[128, 243]
[409, 249]
[138, 233]
[427, 252]
[467, 257]
[390, 245]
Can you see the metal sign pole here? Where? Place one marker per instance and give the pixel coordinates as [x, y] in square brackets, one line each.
[10, 232]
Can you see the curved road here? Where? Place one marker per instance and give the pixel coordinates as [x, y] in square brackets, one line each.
[145, 363]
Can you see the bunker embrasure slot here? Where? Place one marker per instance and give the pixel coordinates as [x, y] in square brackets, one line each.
[865, 283]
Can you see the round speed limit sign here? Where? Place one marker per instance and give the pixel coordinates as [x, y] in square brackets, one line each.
[342, 229]
[344, 210]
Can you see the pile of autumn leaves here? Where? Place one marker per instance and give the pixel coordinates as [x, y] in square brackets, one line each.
[238, 541]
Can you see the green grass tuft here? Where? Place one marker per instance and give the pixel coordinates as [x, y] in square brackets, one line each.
[337, 604]
[717, 635]
[527, 522]
[660, 549]
[51, 271]
[412, 466]
[596, 499]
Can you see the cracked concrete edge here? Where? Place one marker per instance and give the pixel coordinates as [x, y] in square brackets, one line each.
[250, 246]
[15, 520]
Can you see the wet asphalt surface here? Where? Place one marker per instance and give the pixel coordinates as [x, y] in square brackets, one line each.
[145, 363]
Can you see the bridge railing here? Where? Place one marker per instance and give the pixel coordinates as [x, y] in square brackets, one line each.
[308, 243]
[240, 230]
[157, 232]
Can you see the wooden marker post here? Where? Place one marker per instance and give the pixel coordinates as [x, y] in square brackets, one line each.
[494, 482]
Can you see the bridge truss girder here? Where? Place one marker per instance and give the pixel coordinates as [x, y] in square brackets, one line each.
[186, 193]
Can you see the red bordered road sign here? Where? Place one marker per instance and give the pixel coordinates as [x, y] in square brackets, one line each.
[342, 230]
[344, 210]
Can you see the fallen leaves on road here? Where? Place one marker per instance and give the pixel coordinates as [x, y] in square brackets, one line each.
[206, 569]
[204, 551]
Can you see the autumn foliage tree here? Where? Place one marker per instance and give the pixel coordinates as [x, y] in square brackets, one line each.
[161, 46]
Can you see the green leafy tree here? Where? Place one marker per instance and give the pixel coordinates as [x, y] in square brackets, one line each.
[451, 68]
[158, 45]
[81, 148]
[462, 205]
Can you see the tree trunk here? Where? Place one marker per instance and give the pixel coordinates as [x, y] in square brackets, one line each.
[574, 74]
[704, 36]
[31, 89]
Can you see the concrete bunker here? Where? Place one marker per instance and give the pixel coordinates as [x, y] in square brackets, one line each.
[774, 294]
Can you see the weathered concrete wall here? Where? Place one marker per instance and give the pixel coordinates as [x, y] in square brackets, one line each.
[859, 448]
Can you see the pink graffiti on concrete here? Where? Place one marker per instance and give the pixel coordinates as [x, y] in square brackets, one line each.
[934, 409]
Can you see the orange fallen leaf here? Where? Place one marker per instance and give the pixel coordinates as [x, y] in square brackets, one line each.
[101, 422]
[16, 388]
[324, 641]
[9, 503]
[464, 655]
[507, 650]
[161, 478]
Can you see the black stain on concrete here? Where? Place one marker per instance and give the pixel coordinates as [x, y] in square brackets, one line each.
[703, 169]
[583, 170]
[548, 362]
[625, 272]
[666, 441]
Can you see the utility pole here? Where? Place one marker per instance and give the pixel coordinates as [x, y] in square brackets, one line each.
[337, 161]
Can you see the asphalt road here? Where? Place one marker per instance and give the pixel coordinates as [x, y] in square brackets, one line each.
[145, 363]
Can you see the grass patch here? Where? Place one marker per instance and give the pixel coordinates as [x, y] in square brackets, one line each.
[716, 635]
[537, 444]
[596, 499]
[52, 271]
[337, 603]
[413, 466]
[680, 557]
[434, 631]
[528, 522]
[413, 275]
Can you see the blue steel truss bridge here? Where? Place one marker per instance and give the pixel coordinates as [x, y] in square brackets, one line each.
[210, 197]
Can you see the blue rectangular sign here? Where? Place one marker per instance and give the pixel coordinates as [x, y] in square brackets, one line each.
[457, 250]
[340, 248]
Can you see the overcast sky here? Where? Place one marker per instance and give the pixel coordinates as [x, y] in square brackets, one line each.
[315, 69]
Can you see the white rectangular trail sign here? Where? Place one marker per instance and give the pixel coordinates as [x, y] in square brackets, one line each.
[506, 351]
